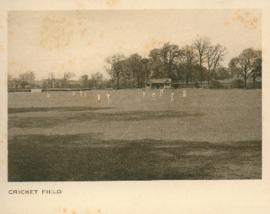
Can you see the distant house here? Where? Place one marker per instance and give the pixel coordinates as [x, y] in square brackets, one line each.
[36, 83]
[226, 83]
[74, 83]
[13, 84]
[183, 84]
[159, 83]
[36, 90]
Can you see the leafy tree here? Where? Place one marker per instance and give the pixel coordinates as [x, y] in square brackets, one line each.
[247, 64]
[84, 81]
[170, 52]
[257, 67]
[156, 63]
[163, 61]
[222, 73]
[135, 67]
[146, 70]
[50, 82]
[67, 76]
[26, 78]
[97, 80]
[116, 68]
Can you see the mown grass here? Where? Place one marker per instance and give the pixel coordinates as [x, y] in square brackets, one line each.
[66, 150]
[89, 114]
[87, 158]
[46, 109]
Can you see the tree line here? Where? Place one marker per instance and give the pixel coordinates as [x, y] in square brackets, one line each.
[27, 80]
[199, 63]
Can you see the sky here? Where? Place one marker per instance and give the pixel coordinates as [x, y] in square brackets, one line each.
[79, 41]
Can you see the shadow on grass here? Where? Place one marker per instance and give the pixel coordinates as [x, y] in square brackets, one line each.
[86, 158]
[46, 109]
[44, 122]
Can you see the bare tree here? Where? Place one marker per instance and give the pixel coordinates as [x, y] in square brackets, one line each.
[201, 46]
[188, 58]
[214, 55]
[51, 80]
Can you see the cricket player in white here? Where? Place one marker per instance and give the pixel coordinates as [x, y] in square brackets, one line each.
[172, 97]
[98, 98]
[184, 93]
[73, 93]
[153, 96]
[143, 93]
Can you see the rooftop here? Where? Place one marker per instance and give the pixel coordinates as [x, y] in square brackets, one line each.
[162, 80]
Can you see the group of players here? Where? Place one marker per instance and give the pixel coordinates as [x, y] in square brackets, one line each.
[144, 94]
[162, 92]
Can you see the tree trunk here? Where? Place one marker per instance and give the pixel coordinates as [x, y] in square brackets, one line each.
[201, 72]
[254, 80]
[187, 79]
[245, 79]
[208, 77]
[117, 81]
[138, 82]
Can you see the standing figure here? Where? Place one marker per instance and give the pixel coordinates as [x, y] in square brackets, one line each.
[73, 93]
[184, 93]
[153, 95]
[143, 93]
[81, 93]
[98, 98]
[48, 94]
[84, 93]
[172, 97]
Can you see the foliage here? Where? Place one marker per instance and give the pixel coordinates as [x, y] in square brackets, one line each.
[188, 64]
[238, 83]
[191, 64]
[247, 65]
[215, 84]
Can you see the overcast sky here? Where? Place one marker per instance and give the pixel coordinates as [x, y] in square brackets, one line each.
[79, 41]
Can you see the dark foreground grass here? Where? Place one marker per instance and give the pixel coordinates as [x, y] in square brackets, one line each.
[86, 158]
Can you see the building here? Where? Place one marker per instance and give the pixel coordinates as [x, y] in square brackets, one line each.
[159, 83]
[36, 90]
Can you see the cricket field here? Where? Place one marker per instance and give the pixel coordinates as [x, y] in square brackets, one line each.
[208, 134]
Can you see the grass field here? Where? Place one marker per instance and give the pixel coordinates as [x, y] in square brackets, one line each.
[210, 134]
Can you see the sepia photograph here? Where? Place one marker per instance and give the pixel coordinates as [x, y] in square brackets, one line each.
[134, 95]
